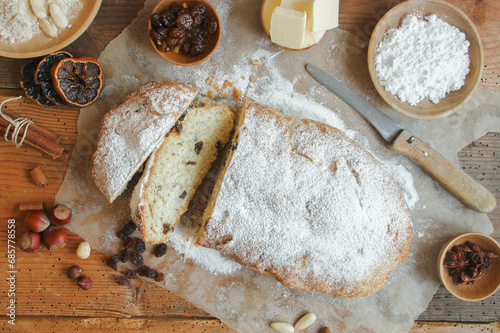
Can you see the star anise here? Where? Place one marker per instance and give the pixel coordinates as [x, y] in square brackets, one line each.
[457, 263]
[467, 262]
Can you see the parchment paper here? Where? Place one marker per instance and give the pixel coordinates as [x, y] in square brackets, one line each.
[243, 299]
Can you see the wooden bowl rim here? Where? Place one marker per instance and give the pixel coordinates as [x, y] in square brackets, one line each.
[404, 107]
[461, 238]
[198, 59]
[74, 32]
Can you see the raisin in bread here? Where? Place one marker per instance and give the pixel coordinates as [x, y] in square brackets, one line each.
[176, 168]
[302, 202]
[131, 131]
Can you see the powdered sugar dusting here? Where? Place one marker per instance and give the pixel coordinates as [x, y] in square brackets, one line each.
[422, 59]
[308, 204]
[133, 129]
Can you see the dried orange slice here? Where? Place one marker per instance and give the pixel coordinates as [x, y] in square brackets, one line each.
[79, 81]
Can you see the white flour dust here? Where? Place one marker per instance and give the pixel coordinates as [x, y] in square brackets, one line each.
[425, 58]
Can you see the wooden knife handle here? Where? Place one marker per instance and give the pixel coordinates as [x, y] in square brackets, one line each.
[457, 182]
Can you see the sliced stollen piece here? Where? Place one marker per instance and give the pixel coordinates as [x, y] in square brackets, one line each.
[176, 168]
[302, 202]
[133, 129]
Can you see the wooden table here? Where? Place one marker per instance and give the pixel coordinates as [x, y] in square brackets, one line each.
[48, 301]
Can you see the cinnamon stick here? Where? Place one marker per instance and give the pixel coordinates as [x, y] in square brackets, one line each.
[39, 141]
[39, 177]
[31, 206]
[33, 127]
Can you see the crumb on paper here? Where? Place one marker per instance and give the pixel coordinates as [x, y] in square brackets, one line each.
[257, 63]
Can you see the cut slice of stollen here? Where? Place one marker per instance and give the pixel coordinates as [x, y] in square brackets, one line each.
[133, 129]
[176, 168]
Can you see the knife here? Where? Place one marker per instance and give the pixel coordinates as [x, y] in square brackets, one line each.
[457, 182]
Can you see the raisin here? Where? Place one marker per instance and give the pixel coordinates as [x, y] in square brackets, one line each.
[160, 277]
[197, 40]
[167, 18]
[130, 274]
[198, 9]
[197, 19]
[112, 263]
[162, 32]
[160, 250]
[182, 196]
[122, 281]
[176, 33]
[178, 128]
[156, 21]
[140, 246]
[143, 271]
[124, 256]
[129, 228]
[190, 163]
[184, 21]
[137, 259]
[195, 49]
[210, 25]
[183, 11]
[120, 234]
[167, 227]
[152, 273]
[199, 145]
[127, 243]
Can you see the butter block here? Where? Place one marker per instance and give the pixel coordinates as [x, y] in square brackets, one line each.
[312, 38]
[288, 27]
[321, 14]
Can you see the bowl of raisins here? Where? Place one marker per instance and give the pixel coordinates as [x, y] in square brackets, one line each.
[184, 32]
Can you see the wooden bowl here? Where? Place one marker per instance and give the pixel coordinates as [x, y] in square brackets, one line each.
[211, 42]
[266, 9]
[482, 288]
[453, 16]
[41, 44]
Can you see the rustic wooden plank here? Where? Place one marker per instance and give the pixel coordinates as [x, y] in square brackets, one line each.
[421, 327]
[65, 324]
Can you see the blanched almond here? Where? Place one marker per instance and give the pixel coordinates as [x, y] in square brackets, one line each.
[38, 8]
[282, 327]
[58, 16]
[307, 320]
[48, 27]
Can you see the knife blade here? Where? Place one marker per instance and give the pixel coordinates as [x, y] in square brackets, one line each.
[461, 185]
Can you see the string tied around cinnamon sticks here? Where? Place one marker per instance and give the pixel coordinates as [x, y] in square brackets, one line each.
[20, 130]
[18, 125]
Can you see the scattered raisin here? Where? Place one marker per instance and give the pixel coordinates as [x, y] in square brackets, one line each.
[160, 277]
[130, 274]
[120, 234]
[182, 196]
[112, 261]
[152, 273]
[127, 243]
[143, 271]
[140, 246]
[124, 256]
[137, 259]
[198, 145]
[122, 281]
[129, 228]
[160, 250]
[190, 163]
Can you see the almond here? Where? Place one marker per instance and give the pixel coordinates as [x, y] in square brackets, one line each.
[38, 9]
[58, 16]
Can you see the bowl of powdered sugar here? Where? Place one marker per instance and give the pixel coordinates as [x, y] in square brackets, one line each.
[425, 58]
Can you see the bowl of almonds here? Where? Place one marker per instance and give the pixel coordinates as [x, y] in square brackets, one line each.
[469, 266]
[184, 32]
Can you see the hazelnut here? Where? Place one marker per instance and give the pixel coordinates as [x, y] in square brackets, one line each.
[74, 272]
[37, 221]
[83, 251]
[84, 282]
[54, 238]
[30, 242]
[60, 214]
[325, 330]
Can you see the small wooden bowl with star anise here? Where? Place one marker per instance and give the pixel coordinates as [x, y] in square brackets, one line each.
[469, 266]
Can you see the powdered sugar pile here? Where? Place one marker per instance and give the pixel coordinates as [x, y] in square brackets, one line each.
[312, 207]
[422, 59]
